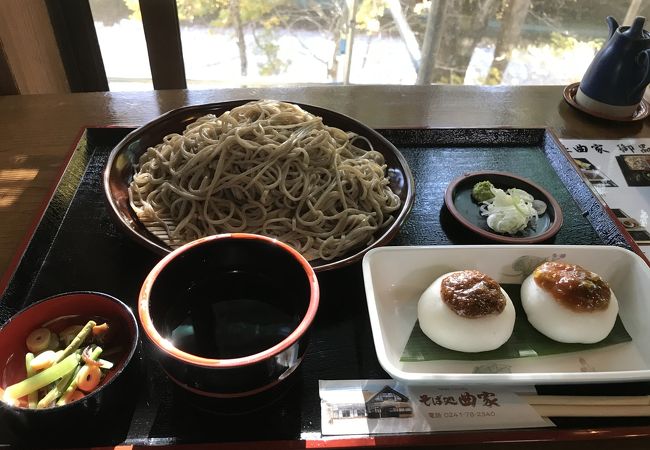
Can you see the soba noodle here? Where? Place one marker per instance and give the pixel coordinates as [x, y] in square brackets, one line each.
[268, 168]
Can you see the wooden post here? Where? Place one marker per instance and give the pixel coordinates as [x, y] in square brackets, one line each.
[30, 48]
[163, 35]
[74, 29]
[7, 81]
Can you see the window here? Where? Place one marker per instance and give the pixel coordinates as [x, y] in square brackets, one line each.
[232, 43]
[124, 49]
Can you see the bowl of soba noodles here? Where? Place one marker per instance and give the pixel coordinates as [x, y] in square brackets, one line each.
[321, 182]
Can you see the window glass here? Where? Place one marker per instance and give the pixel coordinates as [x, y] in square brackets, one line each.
[122, 44]
[232, 43]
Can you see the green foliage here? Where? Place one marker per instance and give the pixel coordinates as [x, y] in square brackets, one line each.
[134, 7]
[109, 12]
[493, 77]
[274, 65]
[562, 43]
[264, 12]
[216, 12]
[200, 11]
[456, 78]
[254, 10]
[445, 76]
[369, 15]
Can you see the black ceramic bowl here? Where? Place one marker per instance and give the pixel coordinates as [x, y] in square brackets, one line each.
[229, 314]
[125, 156]
[79, 421]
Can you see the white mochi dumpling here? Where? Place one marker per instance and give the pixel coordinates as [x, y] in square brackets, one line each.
[466, 311]
[568, 303]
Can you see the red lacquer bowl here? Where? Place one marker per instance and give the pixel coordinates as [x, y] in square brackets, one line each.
[229, 314]
[76, 422]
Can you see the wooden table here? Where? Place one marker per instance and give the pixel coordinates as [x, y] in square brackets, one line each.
[39, 130]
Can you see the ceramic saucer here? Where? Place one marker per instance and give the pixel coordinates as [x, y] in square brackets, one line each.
[641, 112]
[459, 202]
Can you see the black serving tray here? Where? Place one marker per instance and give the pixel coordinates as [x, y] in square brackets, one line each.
[76, 246]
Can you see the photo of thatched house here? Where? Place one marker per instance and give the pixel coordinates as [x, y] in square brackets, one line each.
[386, 403]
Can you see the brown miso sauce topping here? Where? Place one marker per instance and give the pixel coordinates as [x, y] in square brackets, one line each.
[572, 286]
[472, 294]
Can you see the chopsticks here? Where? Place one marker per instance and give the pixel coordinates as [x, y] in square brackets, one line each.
[592, 411]
[589, 406]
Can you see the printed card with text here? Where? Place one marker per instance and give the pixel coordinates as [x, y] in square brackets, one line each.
[619, 170]
[386, 406]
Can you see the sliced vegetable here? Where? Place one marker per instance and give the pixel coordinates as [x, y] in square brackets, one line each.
[69, 333]
[539, 206]
[60, 375]
[67, 397]
[38, 340]
[106, 365]
[90, 355]
[78, 339]
[509, 212]
[67, 394]
[32, 397]
[41, 379]
[43, 360]
[70, 397]
[56, 391]
[54, 342]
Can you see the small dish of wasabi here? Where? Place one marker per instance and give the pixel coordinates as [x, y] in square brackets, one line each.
[503, 207]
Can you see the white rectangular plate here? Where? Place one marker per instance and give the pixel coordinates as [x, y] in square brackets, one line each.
[395, 277]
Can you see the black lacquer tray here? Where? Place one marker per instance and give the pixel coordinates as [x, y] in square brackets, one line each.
[76, 246]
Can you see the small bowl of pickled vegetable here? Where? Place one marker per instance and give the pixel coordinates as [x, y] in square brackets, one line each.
[62, 362]
[503, 207]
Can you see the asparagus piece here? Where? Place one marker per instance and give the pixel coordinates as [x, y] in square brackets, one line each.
[70, 388]
[41, 379]
[32, 397]
[78, 340]
[56, 391]
[96, 352]
[73, 383]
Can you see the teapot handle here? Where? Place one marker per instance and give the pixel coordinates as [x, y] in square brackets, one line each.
[613, 26]
[642, 60]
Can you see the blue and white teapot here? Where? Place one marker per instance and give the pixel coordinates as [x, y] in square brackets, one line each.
[617, 77]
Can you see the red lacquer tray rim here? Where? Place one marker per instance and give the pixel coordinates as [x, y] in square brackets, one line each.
[468, 437]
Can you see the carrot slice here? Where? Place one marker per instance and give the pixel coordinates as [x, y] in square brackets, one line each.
[100, 329]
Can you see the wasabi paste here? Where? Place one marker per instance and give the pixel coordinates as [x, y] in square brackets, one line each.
[482, 191]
